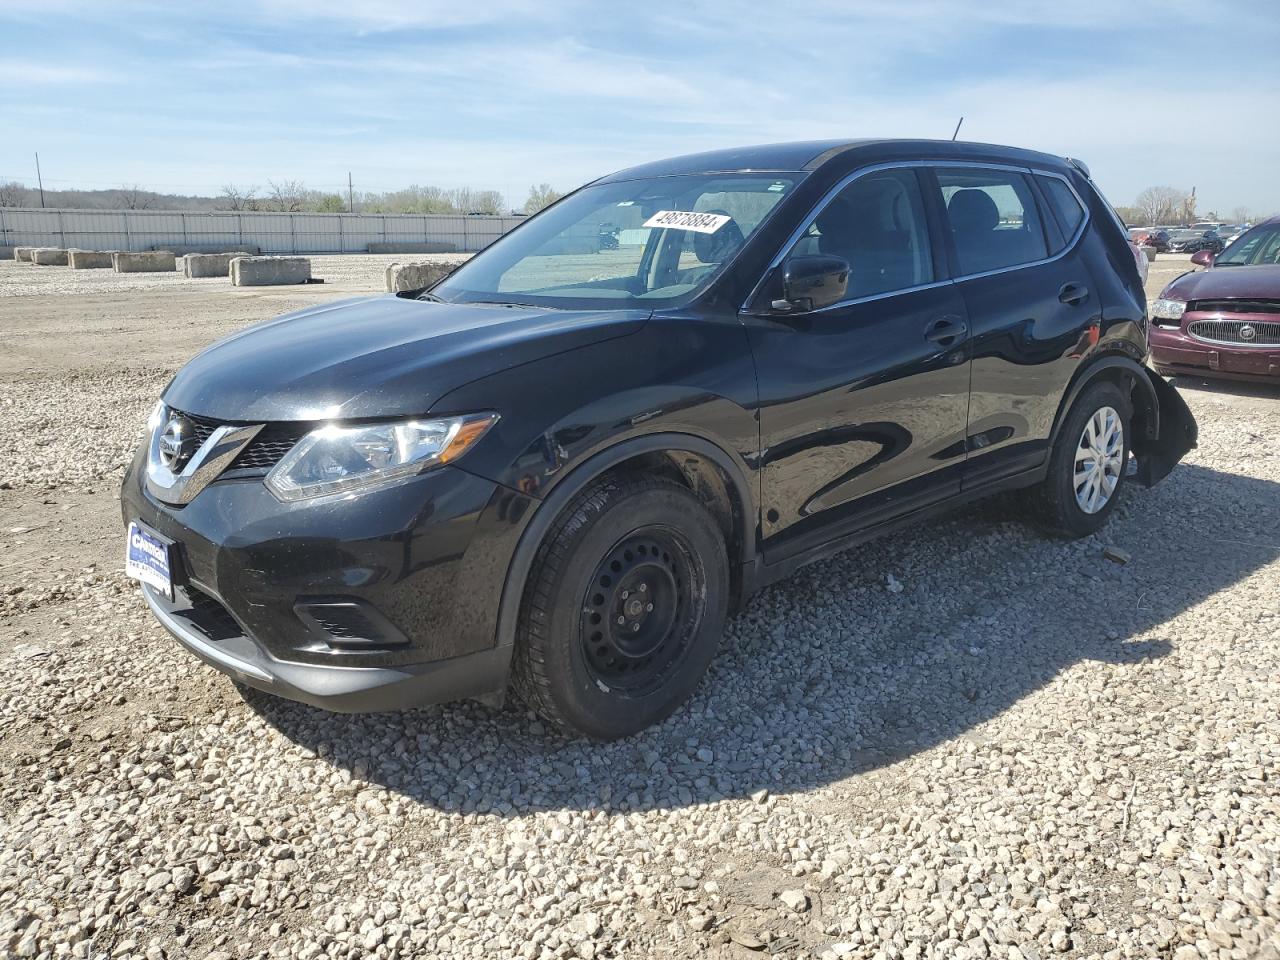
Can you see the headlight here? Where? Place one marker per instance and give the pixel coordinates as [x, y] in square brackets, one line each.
[1168, 309]
[337, 459]
[155, 418]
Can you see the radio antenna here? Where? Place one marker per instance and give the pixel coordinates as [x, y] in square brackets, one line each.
[957, 129]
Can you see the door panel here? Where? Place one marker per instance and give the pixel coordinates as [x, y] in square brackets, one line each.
[1025, 349]
[862, 417]
[862, 403]
[1032, 309]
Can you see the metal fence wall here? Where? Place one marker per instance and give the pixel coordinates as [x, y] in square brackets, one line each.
[272, 232]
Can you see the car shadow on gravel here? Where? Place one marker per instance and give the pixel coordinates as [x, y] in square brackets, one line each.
[833, 673]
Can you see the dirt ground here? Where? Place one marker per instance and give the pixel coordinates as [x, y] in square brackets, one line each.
[1123, 754]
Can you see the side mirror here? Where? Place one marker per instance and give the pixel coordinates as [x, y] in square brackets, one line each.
[812, 282]
[1202, 258]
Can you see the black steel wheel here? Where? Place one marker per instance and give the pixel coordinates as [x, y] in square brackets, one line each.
[641, 610]
[624, 608]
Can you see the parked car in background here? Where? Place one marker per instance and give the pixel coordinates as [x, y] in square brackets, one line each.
[1154, 239]
[1224, 321]
[1228, 233]
[567, 474]
[1142, 259]
[1192, 241]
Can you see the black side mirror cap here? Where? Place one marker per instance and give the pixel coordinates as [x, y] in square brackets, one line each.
[813, 282]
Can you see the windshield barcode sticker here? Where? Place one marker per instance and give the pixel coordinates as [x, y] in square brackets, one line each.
[688, 220]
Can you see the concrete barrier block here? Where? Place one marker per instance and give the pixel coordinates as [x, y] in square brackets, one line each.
[90, 259]
[158, 261]
[22, 254]
[6, 252]
[415, 276]
[238, 249]
[195, 265]
[269, 271]
[392, 246]
[49, 257]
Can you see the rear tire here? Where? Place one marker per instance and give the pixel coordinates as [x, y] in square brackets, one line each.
[624, 608]
[1088, 465]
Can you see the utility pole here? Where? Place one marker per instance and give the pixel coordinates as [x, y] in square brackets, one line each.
[40, 179]
[957, 129]
[351, 207]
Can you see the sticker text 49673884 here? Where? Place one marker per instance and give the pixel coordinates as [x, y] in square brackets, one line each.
[688, 220]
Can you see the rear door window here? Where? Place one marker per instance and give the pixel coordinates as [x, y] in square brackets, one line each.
[993, 218]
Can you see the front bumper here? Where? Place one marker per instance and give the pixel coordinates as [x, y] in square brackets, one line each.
[341, 689]
[425, 558]
[1174, 351]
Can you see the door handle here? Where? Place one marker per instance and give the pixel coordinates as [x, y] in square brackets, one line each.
[946, 331]
[1073, 294]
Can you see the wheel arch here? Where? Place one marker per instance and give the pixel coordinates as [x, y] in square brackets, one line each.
[714, 475]
[1133, 378]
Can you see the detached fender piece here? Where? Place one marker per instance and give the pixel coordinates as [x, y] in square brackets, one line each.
[1176, 434]
[1164, 427]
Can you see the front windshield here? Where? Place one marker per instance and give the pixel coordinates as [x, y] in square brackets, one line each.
[1259, 245]
[635, 243]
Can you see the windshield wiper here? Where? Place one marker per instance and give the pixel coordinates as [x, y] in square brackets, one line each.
[430, 297]
[511, 303]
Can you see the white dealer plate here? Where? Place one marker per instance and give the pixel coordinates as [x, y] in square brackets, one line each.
[146, 558]
[688, 220]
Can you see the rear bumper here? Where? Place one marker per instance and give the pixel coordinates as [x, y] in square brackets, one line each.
[1175, 352]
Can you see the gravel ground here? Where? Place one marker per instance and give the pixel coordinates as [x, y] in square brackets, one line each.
[964, 741]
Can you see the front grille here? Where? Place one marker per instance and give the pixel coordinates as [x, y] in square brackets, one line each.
[209, 616]
[1266, 333]
[269, 446]
[1235, 306]
[204, 428]
[264, 451]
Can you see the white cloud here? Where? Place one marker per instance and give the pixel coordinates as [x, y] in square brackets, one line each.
[34, 72]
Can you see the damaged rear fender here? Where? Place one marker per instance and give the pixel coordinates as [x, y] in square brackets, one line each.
[1170, 434]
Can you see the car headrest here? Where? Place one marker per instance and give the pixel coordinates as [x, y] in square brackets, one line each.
[972, 211]
[719, 246]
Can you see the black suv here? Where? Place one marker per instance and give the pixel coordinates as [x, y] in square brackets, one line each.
[563, 466]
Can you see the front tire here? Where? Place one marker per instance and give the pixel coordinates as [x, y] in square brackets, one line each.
[1087, 468]
[624, 608]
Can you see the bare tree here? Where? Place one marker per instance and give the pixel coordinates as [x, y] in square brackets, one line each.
[12, 194]
[543, 195]
[1161, 204]
[1130, 215]
[1240, 214]
[134, 198]
[287, 196]
[233, 197]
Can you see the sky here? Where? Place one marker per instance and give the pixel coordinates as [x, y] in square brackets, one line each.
[502, 94]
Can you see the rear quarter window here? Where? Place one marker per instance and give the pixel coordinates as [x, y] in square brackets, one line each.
[1066, 207]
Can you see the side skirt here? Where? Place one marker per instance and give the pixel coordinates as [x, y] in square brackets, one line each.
[759, 574]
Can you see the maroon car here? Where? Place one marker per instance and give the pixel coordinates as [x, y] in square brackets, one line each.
[1224, 321]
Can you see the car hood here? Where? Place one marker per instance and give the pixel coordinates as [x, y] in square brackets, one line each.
[375, 357]
[1258, 282]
